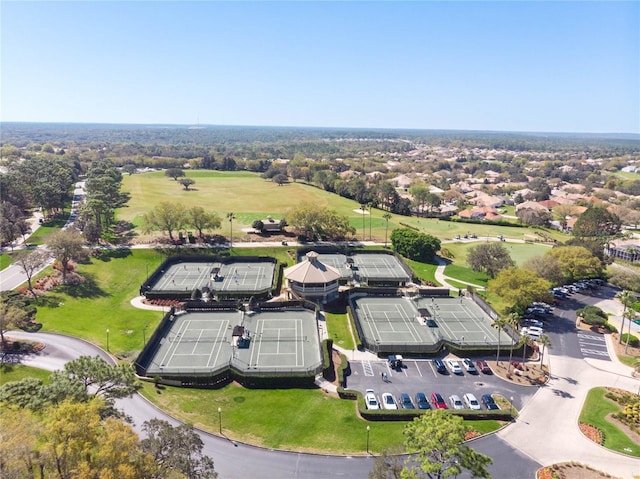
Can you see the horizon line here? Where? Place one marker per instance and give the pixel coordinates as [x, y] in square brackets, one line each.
[205, 125]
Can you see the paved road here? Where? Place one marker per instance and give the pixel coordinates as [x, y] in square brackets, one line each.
[234, 460]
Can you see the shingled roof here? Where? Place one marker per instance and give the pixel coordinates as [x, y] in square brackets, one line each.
[312, 271]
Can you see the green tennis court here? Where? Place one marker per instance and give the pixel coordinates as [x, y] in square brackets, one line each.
[208, 342]
[423, 324]
[219, 277]
[368, 268]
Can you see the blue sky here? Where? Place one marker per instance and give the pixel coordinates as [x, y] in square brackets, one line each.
[511, 66]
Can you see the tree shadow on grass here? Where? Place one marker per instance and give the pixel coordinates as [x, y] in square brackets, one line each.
[87, 289]
[107, 255]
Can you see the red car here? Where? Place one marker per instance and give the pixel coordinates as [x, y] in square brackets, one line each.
[483, 366]
[438, 401]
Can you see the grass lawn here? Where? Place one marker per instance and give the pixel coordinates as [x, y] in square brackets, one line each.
[314, 420]
[338, 328]
[17, 372]
[5, 260]
[463, 273]
[594, 411]
[103, 302]
[519, 252]
[236, 191]
[424, 271]
[43, 233]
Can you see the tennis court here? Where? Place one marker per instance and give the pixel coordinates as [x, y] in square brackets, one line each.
[368, 268]
[423, 324]
[208, 342]
[219, 277]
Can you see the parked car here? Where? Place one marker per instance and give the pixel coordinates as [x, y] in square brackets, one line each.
[471, 402]
[532, 332]
[388, 401]
[370, 399]
[489, 402]
[533, 322]
[456, 402]
[438, 401]
[439, 365]
[454, 366]
[469, 366]
[405, 401]
[421, 401]
[483, 367]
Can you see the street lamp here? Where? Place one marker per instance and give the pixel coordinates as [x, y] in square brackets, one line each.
[220, 419]
[368, 429]
[107, 339]
[511, 405]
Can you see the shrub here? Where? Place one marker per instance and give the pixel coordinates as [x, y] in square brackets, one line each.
[610, 327]
[633, 340]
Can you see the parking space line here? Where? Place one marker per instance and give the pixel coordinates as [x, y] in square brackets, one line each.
[588, 343]
[367, 369]
[417, 368]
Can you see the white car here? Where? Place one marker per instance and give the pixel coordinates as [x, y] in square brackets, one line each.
[454, 366]
[456, 402]
[388, 401]
[371, 400]
[471, 402]
[532, 332]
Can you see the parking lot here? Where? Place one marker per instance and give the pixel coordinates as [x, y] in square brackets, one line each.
[420, 375]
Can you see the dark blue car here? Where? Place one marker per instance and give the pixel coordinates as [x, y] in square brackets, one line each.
[421, 401]
[440, 367]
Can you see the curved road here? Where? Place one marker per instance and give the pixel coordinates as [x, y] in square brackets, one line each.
[236, 460]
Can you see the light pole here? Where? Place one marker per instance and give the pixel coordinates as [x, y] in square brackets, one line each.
[362, 208]
[144, 335]
[511, 406]
[107, 339]
[368, 429]
[220, 419]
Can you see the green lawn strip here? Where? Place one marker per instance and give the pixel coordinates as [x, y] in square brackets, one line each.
[293, 419]
[594, 412]
[5, 260]
[17, 372]
[103, 302]
[466, 274]
[457, 284]
[338, 328]
[424, 271]
[627, 360]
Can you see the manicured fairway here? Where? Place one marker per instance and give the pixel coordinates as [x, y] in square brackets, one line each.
[250, 197]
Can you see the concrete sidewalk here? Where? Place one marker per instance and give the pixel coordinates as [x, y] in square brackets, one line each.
[547, 427]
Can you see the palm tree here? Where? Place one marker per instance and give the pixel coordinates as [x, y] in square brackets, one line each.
[387, 217]
[231, 217]
[512, 321]
[626, 297]
[498, 323]
[630, 314]
[545, 341]
[525, 338]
